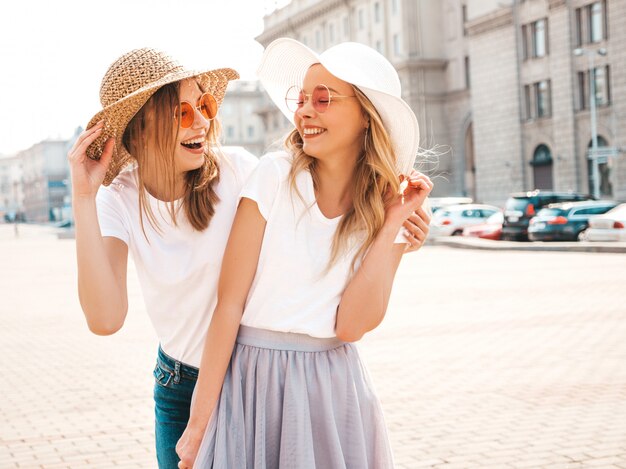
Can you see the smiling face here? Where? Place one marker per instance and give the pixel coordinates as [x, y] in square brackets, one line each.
[191, 142]
[339, 130]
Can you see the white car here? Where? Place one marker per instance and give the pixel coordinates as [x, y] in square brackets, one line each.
[437, 203]
[610, 226]
[450, 221]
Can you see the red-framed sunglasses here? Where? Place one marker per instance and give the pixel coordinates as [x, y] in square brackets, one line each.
[207, 105]
[321, 97]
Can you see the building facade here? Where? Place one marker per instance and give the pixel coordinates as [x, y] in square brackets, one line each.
[497, 82]
[11, 189]
[426, 43]
[46, 181]
[242, 117]
[532, 63]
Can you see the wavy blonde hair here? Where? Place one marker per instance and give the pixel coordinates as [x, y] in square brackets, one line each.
[374, 176]
[154, 121]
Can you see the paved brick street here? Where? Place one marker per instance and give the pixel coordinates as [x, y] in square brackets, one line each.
[486, 359]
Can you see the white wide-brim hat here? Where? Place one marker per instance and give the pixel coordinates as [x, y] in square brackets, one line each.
[286, 61]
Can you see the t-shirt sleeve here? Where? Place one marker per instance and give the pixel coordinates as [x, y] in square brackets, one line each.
[110, 215]
[263, 184]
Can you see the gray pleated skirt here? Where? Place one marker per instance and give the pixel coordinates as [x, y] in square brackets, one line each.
[292, 401]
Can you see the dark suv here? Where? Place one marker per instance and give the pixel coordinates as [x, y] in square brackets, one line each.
[521, 207]
[567, 220]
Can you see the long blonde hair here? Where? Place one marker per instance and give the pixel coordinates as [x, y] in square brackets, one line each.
[154, 121]
[374, 177]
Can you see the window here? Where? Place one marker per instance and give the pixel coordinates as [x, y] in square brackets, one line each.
[542, 94]
[394, 7]
[346, 26]
[539, 38]
[602, 84]
[538, 100]
[472, 213]
[331, 33]
[579, 27]
[230, 131]
[582, 90]
[250, 131]
[361, 19]
[379, 46]
[396, 44]
[591, 23]
[318, 39]
[467, 72]
[535, 39]
[525, 42]
[464, 18]
[596, 26]
[376, 12]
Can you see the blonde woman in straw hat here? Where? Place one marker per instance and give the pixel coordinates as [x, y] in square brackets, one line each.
[308, 270]
[169, 196]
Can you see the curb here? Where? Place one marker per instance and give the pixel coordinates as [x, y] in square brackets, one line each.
[489, 245]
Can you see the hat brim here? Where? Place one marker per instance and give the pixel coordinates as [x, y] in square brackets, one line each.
[285, 63]
[117, 115]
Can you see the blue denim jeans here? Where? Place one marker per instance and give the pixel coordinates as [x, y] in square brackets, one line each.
[173, 388]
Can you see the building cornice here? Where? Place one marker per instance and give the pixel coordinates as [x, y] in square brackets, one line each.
[291, 24]
[498, 19]
[553, 4]
[422, 64]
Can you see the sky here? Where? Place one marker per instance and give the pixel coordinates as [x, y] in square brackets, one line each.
[55, 53]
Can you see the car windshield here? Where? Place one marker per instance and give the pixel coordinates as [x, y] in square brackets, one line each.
[516, 204]
[551, 212]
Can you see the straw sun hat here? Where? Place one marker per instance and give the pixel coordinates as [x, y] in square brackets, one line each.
[126, 87]
[286, 61]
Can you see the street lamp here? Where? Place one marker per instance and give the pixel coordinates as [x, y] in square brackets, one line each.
[591, 54]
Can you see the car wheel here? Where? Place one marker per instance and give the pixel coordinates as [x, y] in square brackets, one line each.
[582, 236]
[457, 233]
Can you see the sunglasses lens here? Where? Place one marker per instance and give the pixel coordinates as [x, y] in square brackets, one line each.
[208, 106]
[294, 98]
[186, 115]
[321, 98]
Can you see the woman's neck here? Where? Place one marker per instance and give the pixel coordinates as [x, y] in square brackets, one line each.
[334, 186]
[156, 187]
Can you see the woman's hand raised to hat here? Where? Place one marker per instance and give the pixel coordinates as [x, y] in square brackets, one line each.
[88, 174]
[406, 209]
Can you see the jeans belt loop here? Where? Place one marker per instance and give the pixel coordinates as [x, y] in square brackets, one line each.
[177, 372]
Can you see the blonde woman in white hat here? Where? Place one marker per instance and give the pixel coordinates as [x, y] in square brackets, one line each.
[169, 197]
[308, 270]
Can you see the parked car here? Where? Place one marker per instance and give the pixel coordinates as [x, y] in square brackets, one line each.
[565, 221]
[451, 220]
[438, 202]
[608, 227]
[491, 229]
[521, 207]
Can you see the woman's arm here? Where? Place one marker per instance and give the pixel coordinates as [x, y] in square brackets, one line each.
[102, 262]
[364, 301]
[238, 269]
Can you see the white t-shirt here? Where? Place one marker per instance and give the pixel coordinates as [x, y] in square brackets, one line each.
[292, 291]
[179, 268]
